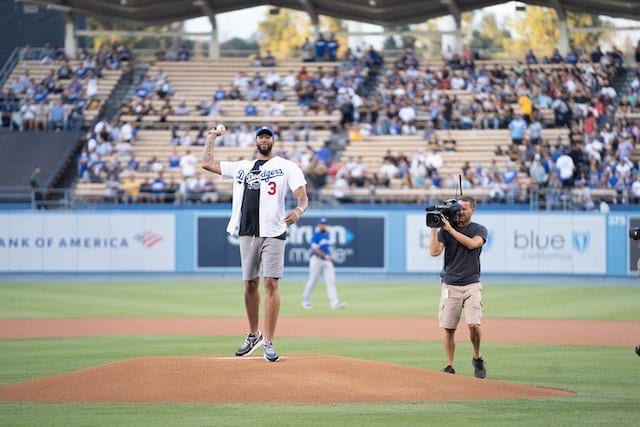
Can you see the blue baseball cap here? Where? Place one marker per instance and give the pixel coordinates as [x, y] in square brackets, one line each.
[264, 129]
[322, 220]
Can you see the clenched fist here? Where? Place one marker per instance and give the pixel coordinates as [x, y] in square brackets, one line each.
[215, 131]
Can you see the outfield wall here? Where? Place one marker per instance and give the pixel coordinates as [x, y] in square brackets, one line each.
[381, 241]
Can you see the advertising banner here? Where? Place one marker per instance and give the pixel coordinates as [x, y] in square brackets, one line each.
[74, 242]
[634, 247]
[357, 242]
[523, 243]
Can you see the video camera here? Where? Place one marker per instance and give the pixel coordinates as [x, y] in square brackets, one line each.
[450, 209]
[634, 233]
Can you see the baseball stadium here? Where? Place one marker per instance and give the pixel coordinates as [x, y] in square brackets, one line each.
[426, 212]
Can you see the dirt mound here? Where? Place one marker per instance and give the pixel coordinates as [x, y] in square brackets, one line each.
[295, 379]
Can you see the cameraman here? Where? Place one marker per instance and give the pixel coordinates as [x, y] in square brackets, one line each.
[461, 287]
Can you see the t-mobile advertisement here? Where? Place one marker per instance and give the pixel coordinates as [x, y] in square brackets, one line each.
[357, 242]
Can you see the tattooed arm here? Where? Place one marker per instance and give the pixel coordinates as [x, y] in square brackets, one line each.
[207, 154]
[303, 201]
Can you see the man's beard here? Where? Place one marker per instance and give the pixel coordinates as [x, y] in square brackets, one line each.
[265, 152]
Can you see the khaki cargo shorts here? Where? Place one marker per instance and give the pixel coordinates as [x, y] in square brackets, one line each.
[455, 299]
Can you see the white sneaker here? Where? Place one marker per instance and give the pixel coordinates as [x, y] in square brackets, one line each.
[338, 305]
[306, 305]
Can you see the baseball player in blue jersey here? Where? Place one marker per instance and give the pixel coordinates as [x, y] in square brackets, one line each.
[321, 261]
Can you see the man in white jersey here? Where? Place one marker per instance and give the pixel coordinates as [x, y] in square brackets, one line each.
[258, 217]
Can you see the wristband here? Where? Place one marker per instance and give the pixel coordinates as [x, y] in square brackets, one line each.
[300, 209]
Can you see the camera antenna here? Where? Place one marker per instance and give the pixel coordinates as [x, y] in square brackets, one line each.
[460, 183]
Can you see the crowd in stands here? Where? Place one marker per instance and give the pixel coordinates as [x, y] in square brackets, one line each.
[412, 97]
[59, 100]
[109, 157]
[574, 91]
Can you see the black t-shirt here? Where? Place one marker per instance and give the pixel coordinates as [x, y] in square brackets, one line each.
[250, 212]
[461, 265]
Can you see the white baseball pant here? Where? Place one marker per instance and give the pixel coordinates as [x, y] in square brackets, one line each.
[318, 266]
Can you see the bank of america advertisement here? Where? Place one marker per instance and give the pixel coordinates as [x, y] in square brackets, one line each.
[523, 243]
[87, 242]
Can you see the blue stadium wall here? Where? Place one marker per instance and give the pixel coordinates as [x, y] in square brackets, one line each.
[367, 241]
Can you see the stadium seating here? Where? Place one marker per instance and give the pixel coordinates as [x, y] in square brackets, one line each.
[197, 80]
[38, 71]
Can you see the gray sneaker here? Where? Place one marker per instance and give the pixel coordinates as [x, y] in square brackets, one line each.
[250, 343]
[270, 354]
[479, 369]
[306, 305]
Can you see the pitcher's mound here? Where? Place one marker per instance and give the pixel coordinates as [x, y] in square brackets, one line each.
[295, 379]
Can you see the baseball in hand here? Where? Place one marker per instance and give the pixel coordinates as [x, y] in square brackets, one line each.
[221, 130]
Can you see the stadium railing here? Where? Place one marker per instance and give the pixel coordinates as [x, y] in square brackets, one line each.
[9, 65]
[53, 198]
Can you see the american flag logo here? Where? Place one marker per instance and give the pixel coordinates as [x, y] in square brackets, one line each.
[148, 239]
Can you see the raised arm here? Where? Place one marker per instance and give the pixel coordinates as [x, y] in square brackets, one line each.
[208, 163]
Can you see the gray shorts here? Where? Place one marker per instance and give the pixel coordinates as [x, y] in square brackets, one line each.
[267, 252]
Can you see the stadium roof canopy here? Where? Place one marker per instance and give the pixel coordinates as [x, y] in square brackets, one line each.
[381, 12]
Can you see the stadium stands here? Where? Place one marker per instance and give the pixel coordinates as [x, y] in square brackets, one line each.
[462, 114]
[37, 72]
[196, 81]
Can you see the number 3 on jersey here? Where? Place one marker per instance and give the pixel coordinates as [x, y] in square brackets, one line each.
[272, 188]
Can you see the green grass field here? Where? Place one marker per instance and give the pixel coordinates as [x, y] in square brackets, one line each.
[606, 380]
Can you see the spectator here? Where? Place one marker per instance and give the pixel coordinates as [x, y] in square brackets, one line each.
[92, 87]
[141, 92]
[518, 127]
[220, 94]
[182, 109]
[332, 48]
[209, 192]
[635, 189]
[188, 164]
[127, 132]
[341, 188]
[183, 53]
[158, 189]
[307, 51]
[538, 172]
[112, 189]
[433, 162]
[566, 169]
[250, 109]
[530, 58]
[34, 183]
[154, 165]
[535, 131]
[321, 48]
[133, 163]
[268, 60]
[174, 160]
